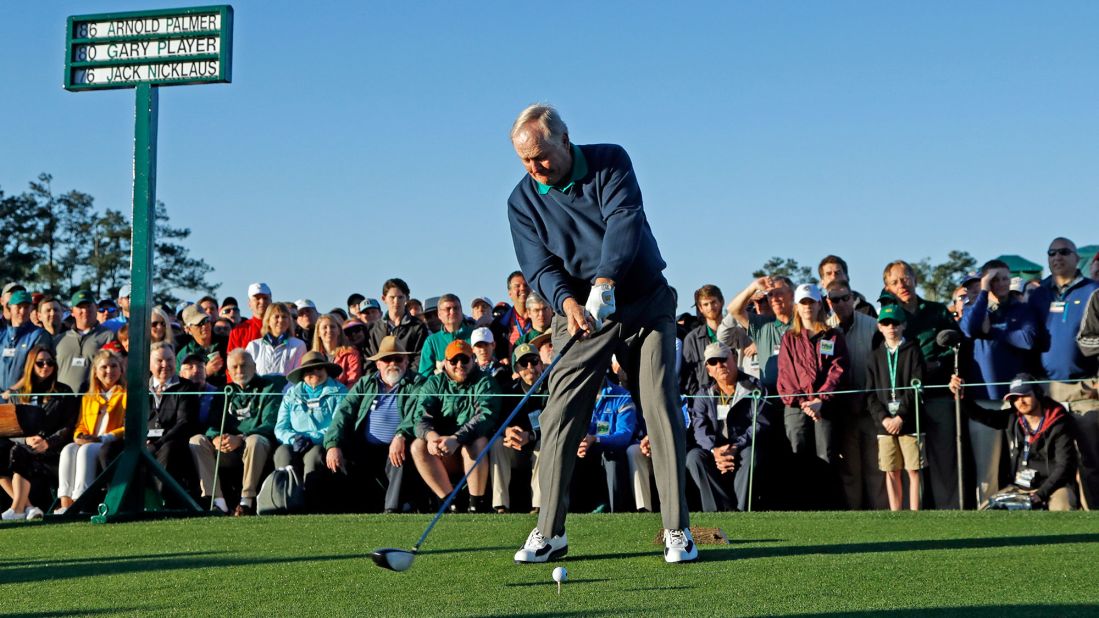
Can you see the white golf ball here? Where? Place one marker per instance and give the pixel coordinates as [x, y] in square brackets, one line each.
[560, 574]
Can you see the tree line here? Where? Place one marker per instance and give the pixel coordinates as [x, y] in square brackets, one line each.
[61, 243]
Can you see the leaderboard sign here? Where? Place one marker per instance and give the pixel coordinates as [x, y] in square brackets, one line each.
[162, 48]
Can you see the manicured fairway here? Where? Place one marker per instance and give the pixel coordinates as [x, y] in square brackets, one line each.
[976, 564]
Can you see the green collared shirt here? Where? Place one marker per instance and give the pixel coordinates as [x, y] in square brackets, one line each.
[579, 170]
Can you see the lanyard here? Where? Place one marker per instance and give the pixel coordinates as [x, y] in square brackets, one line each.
[892, 357]
[1031, 435]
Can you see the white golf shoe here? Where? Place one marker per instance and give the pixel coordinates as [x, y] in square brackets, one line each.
[11, 515]
[679, 546]
[540, 549]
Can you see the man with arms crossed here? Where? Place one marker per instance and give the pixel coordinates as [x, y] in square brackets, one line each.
[584, 244]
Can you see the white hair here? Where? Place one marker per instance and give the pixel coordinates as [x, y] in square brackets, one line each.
[545, 116]
[534, 300]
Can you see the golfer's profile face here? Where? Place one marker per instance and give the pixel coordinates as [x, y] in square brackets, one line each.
[546, 160]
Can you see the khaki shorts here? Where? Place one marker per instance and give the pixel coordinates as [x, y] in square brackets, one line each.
[895, 452]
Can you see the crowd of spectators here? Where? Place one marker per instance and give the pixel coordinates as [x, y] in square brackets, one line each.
[794, 396]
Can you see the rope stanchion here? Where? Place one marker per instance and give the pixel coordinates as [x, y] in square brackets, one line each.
[217, 459]
[756, 394]
[918, 386]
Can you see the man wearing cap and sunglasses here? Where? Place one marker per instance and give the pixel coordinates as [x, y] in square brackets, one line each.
[372, 427]
[18, 338]
[197, 324]
[77, 347]
[259, 299]
[455, 414]
[519, 445]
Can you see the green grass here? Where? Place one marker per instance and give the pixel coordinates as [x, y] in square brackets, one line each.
[978, 564]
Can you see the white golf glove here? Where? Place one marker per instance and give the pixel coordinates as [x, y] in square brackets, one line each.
[600, 303]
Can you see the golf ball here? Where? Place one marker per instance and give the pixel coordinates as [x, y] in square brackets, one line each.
[560, 574]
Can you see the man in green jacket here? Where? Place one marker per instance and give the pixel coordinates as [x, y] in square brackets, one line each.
[454, 327]
[371, 429]
[456, 413]
[252, 407]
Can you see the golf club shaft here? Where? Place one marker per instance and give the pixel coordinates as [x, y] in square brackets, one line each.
[217, 459]
[958, 435]
[495, 437]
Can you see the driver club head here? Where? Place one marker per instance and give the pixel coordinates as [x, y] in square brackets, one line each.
[393, 559]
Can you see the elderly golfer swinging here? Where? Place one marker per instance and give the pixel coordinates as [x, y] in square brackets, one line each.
[584, 245]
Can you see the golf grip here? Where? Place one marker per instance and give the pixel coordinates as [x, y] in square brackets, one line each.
[495, 437]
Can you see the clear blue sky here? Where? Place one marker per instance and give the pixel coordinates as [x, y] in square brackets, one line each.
[365, 140]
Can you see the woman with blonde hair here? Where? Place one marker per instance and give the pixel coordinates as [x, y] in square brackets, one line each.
[101, 420]
[812, 364]
[330, 340]
[160, 327]
[277, 351]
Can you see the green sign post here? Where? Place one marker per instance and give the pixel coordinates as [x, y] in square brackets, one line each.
[143, 50]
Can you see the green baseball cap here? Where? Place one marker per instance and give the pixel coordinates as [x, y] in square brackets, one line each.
[83, 296]
[891, 312]
[19, 297]
[523, 350]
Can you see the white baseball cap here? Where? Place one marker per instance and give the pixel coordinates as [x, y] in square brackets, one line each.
[258, 288]
[481, 335]
[304, 303]
[806, 290]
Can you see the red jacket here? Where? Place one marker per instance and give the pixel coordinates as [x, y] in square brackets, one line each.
[244, 333]
[816, 364]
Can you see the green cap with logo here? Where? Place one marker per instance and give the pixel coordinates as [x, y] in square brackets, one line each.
[523, 350]
[83, 296]
[19, 297]
[892, 313]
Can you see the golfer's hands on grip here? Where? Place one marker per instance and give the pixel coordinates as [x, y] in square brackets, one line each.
[600, 303]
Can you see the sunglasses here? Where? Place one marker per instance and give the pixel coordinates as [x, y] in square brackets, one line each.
[460, 359]
[716, 361]
[390, 359]
[840, 299]
[1061, 251]
[45, 363]
[529, 361]
[155, 324]
[889, 323]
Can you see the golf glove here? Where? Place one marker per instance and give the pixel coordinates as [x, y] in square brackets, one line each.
[600, 303]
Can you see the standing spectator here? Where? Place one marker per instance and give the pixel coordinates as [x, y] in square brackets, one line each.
[834, 268]
[693, 375]
[863, 482]
[208, 305]
[306, 319]
[924, 320]
[416, 310]
[123, 316]
[541, 316]
[106, 312]
[259, 300]
[765, 331]
[1003, 331]
[49, 317]
[77, 347]
[198, 325]
[353, 305]
[455, 414]
[35, 459]
[9, 289]
[160, 327]
[481, 311]
[230, 310]
[304, 417]
[813, 362]
[101, 421]
[721, 420]
[371, 429]
[356, 333]
[410, 332]
[277, 351]
[510, 327]
[453, 328]
[17, 340]
[894, 364]
[370, 310]
[251, 410]
[1059, 305]
[519, 446]
[330, 340]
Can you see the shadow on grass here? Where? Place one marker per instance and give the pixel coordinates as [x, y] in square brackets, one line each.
[91, 567]
[9, 564]
[746, 553]
[465, 550]
[618, 611]
[75, 612]
[569, 583]
[981, 611]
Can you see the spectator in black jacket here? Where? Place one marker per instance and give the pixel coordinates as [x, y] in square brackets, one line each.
[409, 331]
[519, 446]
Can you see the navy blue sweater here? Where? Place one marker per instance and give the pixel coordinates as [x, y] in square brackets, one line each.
[564, 241]
[1060, 314]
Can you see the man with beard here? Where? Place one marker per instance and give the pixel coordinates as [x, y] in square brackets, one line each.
[372, 427]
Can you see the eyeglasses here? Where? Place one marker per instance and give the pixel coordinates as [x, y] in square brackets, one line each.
[840, 299]
[1061, 251]
[716, 361]
[529, 361]
[460, 359]
[44, 363]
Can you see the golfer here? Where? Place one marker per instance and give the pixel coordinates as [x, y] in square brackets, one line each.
[584, 245]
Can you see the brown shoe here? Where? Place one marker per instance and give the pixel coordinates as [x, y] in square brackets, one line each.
[244, 511]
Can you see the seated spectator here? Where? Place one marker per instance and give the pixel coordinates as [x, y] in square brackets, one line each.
[812, 363]
[484, 354]
[541, 316]
[370, 310]
[1043, 456]
[369, 437]
[121, 343]
[49, 317]
[305, 320]
[76, 348]
[455, 415]
[330, 340]
[519, 446]
[356, 334]
[453, 328]
[101, 421]
[410, 332]
[277, 351]
[18, 339]
[230, 311]
[481, 311]
[894, 363]
[722, 423]
[610, 431]
[35, 459]
[693, 374]
[353, 305]
[247, 331]
[193, 369]
[245, 436]
[201, 329]
[544, 344]
[304, 417]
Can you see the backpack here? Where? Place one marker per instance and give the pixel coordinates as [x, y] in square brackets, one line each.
[281, 493]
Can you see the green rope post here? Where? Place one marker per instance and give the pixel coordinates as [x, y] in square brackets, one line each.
[221, 432]
[756, 394]
[918, 386]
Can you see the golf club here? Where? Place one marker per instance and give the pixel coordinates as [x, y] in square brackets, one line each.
[953, 339]
[396, 559]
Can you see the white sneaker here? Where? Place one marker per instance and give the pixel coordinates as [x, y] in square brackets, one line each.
[33, 512]
[11, 515]
[60, 510]
[679, 546]
[539, 549]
